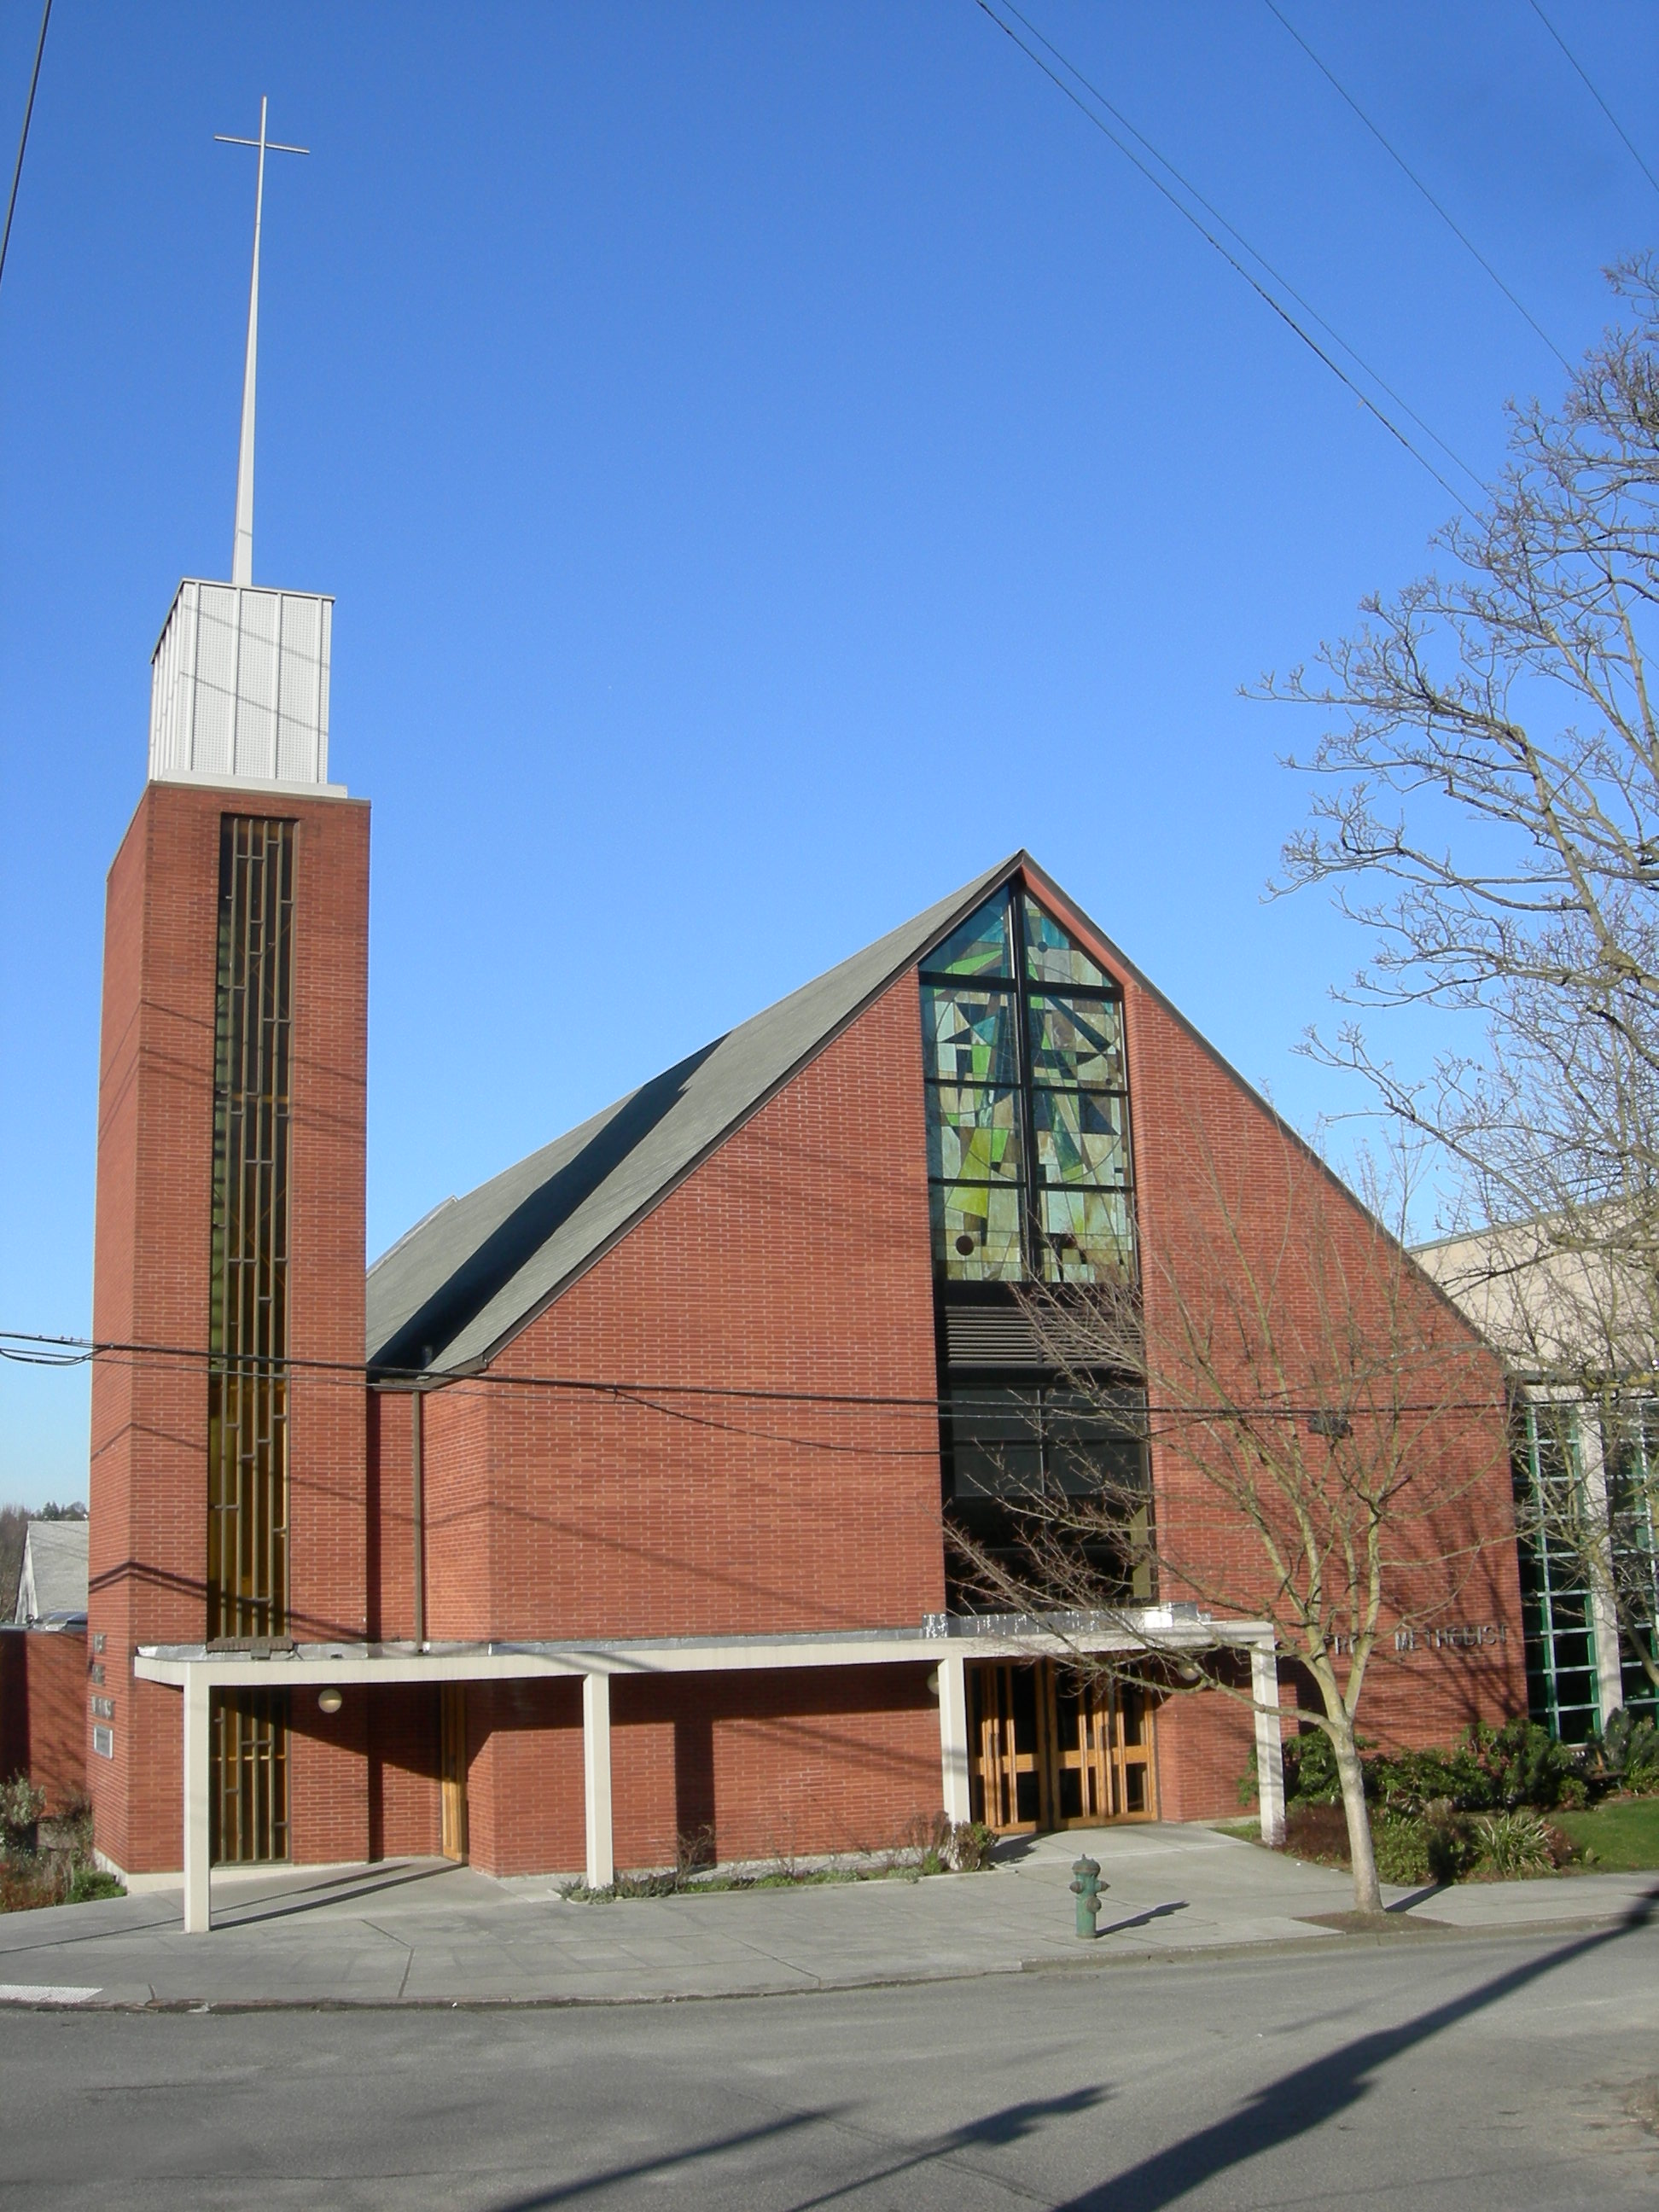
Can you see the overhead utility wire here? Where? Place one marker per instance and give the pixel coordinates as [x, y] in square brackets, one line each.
[82, 1351]
[1584, 77]
[1400, 162]
[29, 110]
[1231, 259]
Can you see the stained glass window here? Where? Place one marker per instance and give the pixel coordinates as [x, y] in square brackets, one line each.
[1077, 1041]
[978, 947]
[1028, 1137]
[973, 1134]
[1050, 955]
[976, 1231]
[970, 1035]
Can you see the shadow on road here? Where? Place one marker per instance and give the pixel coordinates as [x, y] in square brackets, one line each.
[1010, 2125]
[1277, 2114]
[1298, 2101]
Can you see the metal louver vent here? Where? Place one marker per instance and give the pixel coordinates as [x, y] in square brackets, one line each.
[990, 1336]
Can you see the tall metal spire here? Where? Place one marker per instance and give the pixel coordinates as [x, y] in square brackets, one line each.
[241, 558]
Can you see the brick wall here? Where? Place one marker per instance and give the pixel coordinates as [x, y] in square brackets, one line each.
[1226, 1202]
[43, 1710]
[773, 1765]
[796, 1258]
[148, 1487]
[755, 1765]
[1203, 1743]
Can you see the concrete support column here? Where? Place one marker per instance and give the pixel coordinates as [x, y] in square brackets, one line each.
[1598, 1563]
[596, 1779]
[1269, 1743]
[198, 1764]
[953, 1736]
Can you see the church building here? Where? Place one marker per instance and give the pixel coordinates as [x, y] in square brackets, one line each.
[609, 1513]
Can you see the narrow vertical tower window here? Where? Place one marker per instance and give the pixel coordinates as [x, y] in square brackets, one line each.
[247, 1338]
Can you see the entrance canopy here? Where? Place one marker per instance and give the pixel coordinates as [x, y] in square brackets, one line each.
[944, 1643]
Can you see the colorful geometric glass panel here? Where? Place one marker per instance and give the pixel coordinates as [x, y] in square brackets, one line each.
[1079, 1137]
[974, 1134]
[978, 947]
[976, 1231]
[1077, 1042]
[1086, 1233]
[969, 1034]
[1051, 957]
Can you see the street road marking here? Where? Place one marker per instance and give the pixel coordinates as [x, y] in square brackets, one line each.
[44, 1993]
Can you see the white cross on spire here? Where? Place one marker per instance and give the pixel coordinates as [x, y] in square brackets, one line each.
[241, 559]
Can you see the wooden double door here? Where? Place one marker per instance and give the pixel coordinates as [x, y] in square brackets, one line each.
[1053, 1746]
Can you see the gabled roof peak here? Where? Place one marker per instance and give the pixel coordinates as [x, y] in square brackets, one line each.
[456, 1287]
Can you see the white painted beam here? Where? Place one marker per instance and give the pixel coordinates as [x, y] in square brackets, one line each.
[953, 1736]
[596, 1779]
[1269, 1742]
[1603, 1603]
[197, 1772]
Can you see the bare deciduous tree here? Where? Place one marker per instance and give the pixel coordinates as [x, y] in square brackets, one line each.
[1488, 808]
[1322, 1429]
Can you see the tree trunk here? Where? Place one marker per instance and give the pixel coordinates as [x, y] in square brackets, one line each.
[1367, 1895]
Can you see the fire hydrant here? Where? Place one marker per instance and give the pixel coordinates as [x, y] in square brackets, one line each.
[1086, 1886]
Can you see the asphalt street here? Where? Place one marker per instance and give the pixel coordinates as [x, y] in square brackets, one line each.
[1426, 2071]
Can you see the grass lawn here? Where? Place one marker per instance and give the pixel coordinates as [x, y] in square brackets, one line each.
[1624, 1835]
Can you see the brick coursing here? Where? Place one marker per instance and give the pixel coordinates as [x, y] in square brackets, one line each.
[151, 1278]
[43, 1710]
[793, 1259]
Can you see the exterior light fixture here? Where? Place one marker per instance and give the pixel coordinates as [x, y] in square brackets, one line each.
[933, 1681]
[328, 1700]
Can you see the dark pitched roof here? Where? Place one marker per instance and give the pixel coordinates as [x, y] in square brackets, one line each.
[478, 1268]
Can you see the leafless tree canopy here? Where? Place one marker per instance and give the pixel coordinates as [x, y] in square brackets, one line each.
[1323, 1433]
[1487, 806]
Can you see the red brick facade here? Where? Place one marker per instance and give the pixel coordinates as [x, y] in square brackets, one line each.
[794, 1259]
[724, 1427]
[150, 1286]
[43, 1710]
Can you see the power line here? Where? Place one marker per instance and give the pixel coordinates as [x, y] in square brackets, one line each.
[61, 1351]
[1400, 160]
[29, 110]
[1231, 259]
[1583, 75]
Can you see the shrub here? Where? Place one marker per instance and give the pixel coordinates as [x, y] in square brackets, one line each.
[1626, 1756]
[969, 1848]
[20, 1807]
[1317, 1830]
[1508, 1845]
[88, 1883]
[1310, 1772]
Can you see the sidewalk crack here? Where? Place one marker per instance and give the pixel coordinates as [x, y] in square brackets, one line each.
[408, 1950]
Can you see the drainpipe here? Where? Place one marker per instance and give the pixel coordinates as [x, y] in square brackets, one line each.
[417, 1487]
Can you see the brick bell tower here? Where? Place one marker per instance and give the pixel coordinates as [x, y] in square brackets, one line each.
[227, 1490]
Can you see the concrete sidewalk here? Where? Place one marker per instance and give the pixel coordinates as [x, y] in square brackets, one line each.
[423, 1932]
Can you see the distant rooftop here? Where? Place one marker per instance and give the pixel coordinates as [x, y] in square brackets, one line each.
[54, 1574]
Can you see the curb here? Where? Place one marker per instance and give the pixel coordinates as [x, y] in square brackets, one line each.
[1097, 1958]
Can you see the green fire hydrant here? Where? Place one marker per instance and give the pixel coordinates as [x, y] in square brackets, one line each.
[1086, 1886]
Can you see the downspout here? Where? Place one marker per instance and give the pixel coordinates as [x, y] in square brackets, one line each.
[418, 1500]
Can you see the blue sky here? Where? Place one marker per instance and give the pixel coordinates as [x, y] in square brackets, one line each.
[771, 462]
